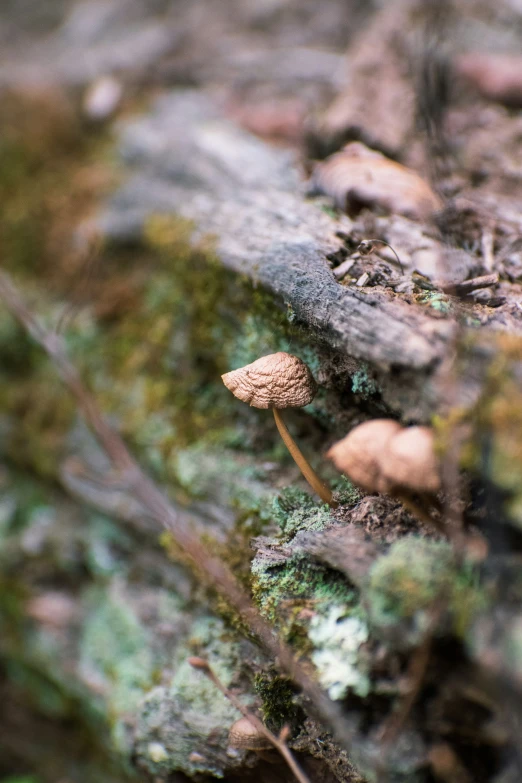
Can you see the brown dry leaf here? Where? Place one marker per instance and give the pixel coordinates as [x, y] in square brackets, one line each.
[359, 177]
[497, 77]
[275, 120]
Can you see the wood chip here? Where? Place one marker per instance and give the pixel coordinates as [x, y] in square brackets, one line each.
[343, 269]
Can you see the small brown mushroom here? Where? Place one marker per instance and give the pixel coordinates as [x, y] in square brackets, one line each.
[409, 460]
[382, 456]
[244, 735]
[358, 455]
[279, 381]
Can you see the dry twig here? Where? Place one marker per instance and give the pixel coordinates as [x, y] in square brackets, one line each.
[160, 509]
[279, 742]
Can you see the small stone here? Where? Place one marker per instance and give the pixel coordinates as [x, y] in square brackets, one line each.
[157, 752]
[102, 98]
[344, 268]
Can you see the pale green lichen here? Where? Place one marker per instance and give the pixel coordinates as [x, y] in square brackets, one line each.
[157, 752]
[116, 650]
[283, 586]
[437, 300]
[104, 543]
[184, 726]
[229, 478]
[363, 384]
[337, 637]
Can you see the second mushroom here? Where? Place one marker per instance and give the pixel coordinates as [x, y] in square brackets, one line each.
[279, 381]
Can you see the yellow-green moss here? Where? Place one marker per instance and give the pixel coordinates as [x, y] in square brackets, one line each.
[412, 579]
[283, 587]
[493, 446]
[436, 300]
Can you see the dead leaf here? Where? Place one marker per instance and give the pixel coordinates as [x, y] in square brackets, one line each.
[358, 177]
[497, 77]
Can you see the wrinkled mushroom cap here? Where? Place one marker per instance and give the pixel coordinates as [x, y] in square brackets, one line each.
[245, 736]
[358, 455]
[409, 460]
[278, 380]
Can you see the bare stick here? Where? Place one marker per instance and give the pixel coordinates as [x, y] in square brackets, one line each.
[160, 509]
[301, 461]
[466, 286]
[278, 742]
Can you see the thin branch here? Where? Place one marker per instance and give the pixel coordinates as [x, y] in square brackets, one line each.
[367, 246]
[279, 743]
[144, 490]
[467, 286]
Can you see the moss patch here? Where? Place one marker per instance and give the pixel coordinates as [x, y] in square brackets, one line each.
[277, 701]
[407, 583]
[185, 726]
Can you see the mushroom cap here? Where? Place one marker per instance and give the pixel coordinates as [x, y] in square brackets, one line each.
[358, 455]
[244, 735]
[278, 380]
[409, 460]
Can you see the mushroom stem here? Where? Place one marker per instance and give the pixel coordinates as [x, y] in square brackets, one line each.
[417, 510]
[301, 461]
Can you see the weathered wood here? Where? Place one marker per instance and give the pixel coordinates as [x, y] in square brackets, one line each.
[188, 160]
[250, 198]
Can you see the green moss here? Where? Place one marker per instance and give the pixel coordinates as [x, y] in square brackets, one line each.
[405, 584]
[282, 590]
[283, 587]
[346, 493]
[437, 300]
[277, 701]
[20, 779]
[294, 510]
[492, 426]
[498, 436]
[46, 187]
[41, 148]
